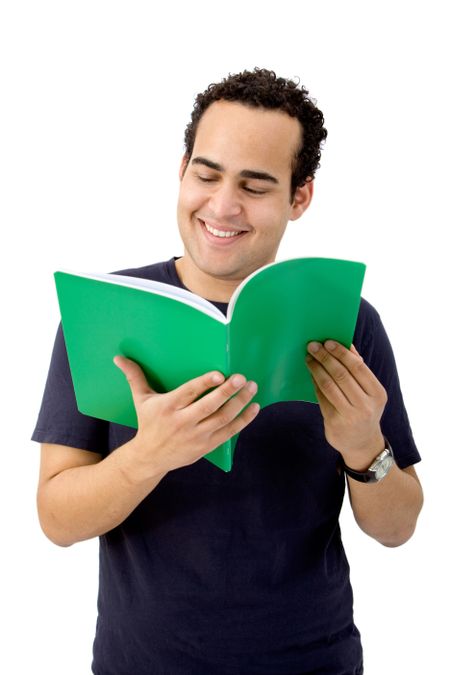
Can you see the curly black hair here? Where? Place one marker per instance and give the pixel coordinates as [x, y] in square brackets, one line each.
[261, 88]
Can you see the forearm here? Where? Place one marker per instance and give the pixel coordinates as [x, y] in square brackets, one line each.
[352, 401]
[87, 496]
[388, 510]
[86, 501]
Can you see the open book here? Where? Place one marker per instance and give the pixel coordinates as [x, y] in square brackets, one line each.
[175, 335]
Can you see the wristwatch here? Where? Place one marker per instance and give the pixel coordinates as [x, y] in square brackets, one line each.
[379, 468]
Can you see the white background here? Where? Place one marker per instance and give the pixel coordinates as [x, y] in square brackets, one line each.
[94, 100]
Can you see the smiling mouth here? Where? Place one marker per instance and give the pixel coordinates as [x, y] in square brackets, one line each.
[221, 234]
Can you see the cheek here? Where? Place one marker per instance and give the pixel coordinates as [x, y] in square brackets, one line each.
[269, 219]
[190, 198]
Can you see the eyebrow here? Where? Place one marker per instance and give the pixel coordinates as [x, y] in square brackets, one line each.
[246, 173]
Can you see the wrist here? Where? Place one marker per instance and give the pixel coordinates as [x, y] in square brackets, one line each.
[135, 464]
[378, 469]
[361, 459]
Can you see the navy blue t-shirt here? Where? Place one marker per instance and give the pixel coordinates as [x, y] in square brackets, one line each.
[239, 573]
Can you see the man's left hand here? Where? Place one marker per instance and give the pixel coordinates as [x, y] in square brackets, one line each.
[351, 399]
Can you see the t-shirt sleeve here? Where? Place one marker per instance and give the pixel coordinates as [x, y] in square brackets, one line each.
[374, 346]
[59, 420]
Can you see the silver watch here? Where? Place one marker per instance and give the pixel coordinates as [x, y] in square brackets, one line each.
[379, 468]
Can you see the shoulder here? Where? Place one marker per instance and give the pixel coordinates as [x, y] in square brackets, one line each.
[369, 330]
[368, 316]
[372, 342]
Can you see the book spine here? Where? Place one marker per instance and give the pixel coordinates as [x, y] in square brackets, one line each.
[228, 349]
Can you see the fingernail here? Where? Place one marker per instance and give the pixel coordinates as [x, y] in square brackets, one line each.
[217, 378]
[314, 347]
[237, 380]
[329, 344]
[252, 387]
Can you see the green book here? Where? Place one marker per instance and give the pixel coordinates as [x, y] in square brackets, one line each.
[175, 335]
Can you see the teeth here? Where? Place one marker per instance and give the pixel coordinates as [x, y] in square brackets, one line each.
[220, 233]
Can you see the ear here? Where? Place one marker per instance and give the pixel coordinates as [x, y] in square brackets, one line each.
[183, 167]
[302, 199]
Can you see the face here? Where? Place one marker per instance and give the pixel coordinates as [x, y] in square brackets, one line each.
[235, 195]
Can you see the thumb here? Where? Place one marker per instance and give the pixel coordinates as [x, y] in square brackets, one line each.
[139, 386]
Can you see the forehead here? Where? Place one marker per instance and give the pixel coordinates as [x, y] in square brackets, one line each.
[241, 137]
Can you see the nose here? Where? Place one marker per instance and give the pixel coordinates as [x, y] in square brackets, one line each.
[225, 201]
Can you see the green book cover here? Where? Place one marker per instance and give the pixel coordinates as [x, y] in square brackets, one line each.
[175, 335]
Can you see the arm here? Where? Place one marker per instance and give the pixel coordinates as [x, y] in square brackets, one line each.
[388, 510]
[352, 401]
[81, 495]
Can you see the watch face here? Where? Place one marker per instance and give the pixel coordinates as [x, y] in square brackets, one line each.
[383, 467]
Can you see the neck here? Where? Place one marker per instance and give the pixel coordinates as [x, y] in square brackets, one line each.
[209, 287]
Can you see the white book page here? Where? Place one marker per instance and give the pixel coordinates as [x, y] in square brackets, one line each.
[159, 288]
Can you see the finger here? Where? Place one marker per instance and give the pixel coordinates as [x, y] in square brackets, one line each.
[354, 363]
[190, 391]
[229, 410]
[337, 370]
[327, 387]
[209, 404]
[236, 425]
[326, 407]
[135, 377]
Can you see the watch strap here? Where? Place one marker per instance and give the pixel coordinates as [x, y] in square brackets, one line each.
[371, 475]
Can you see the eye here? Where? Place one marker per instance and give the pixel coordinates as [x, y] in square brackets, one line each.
[255, 192]
[206, 179]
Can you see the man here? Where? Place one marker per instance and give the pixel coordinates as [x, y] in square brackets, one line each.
[204, 572]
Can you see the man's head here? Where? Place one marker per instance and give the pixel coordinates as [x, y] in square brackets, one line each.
[261, 88]
[252, 148]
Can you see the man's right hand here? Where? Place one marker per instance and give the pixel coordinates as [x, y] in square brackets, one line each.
[178, 428]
